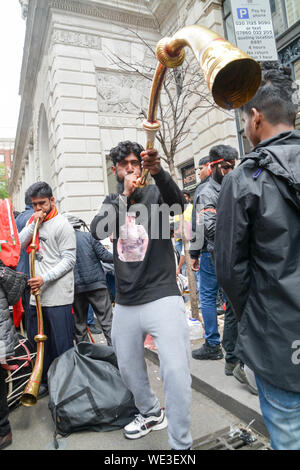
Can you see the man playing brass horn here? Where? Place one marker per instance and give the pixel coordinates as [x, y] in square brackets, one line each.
[147, 297]
[55, 260]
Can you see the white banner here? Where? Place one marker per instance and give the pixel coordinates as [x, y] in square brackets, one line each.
[253, 26]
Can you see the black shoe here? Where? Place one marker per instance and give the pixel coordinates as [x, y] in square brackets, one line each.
[240, 375]
[208, 352]
[229, 367]
[5, 440]
[43, 391]
[94, 330]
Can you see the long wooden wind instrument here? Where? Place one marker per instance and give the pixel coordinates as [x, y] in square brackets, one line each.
[231, 75]
[30, 394]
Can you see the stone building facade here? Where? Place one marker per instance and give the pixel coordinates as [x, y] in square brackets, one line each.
[77, 103]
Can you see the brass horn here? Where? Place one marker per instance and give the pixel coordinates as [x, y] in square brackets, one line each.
[30, 394]
[231, 75]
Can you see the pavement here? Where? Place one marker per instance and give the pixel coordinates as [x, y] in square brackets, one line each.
[218, 402]
[209, 379]
[33, 427]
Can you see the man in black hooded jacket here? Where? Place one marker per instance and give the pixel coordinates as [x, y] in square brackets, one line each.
[258, 261]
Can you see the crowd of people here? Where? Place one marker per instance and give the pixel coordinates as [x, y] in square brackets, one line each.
[244, 249]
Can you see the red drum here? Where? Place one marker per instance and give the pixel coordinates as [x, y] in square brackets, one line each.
[18, 369]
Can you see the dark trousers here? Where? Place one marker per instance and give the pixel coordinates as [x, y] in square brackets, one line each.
[58, 327]
[4, 423]
[101, 303]
[26, 306]
[230, 334]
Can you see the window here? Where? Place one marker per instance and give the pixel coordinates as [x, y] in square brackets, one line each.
[285, 13]
[273, 6]
[297, 78]
[228, 21]
[292, 11]
[1, 158]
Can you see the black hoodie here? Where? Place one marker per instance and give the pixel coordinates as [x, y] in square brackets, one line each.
[257, 255]
[144, 266]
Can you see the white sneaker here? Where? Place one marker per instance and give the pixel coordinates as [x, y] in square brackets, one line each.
[142, 425]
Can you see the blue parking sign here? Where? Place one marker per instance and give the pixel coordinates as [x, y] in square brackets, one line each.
[243, 13]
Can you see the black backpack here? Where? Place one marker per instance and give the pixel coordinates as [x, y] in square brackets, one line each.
[86, 391]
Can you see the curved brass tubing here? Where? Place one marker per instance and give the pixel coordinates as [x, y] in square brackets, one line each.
[30, 394]
[231, 75]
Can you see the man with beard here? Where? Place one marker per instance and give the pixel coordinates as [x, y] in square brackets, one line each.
[55, 260]
[148, 300]
[221, 161]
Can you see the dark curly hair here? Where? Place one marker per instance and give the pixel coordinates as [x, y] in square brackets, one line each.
[223, 151]
[203, 161]
[276, 97]
[123, 149]
[39, 189]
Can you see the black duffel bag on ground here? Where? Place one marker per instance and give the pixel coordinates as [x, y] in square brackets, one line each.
[86, 391]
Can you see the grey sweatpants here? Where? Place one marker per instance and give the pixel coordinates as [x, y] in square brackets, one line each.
[164, 320]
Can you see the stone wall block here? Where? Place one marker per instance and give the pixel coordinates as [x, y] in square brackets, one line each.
[75, 204]
[79, 160]
[83, 188]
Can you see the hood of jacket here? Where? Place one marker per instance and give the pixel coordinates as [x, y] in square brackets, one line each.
[280, 156]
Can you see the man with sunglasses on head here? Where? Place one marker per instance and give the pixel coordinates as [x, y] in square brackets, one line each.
[222, 160]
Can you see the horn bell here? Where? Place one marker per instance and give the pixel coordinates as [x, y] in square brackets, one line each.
[232, 76]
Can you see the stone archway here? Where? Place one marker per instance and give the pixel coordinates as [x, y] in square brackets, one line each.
[45, 158]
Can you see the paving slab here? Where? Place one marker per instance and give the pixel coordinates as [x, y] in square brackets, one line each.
[208, 378]
[33, 427]
[218, 402]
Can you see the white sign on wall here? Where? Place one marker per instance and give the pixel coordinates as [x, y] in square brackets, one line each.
[253, 26]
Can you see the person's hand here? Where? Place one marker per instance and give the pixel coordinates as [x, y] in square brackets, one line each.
[151, 161]
[130, 184]
[35, 284]
[195, 264]
[39, 215]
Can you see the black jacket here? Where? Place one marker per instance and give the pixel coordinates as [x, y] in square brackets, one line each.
[257, 254]
[88, 271]
[207, 200]
[21, 220]
[151, 275]
[198, 243]
[196, 201]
